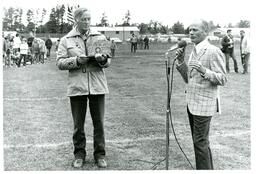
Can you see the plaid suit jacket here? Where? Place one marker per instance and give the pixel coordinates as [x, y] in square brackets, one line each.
[202, 94]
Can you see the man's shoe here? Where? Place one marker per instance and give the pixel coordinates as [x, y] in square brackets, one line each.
[101, 162]
[78, 163]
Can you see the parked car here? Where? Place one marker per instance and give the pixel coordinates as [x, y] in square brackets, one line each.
[213, 38]
[116, 40]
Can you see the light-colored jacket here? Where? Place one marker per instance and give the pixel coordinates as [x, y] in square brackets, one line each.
[24, 48]
[244, 46]
[16, 42]
[87, 79]
[113, 46]
[202, 94]
[42, 47]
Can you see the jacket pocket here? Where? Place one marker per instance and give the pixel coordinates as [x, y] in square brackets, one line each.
[74, 49]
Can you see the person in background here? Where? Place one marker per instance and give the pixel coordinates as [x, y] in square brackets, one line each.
[42, 50]
[169, 39]
[140, 41]
[57, 44]
[203, 74]
[16, 43]
[113, 48]
[36, 50]
[15, 57]
[146, 42]
[4, 48]
[227, 43]
[30, 42]
[48, 44]
[134, 41]
[23, 52]
[8, 52]
[244, 51]
[86, 82]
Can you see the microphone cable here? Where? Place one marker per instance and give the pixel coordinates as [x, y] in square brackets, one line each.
[171, 121]
[172, 126]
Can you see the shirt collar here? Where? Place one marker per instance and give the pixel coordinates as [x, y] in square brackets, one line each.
[74, 32]
[201, 45]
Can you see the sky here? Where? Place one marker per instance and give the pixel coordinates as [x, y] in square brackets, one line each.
[165, 11]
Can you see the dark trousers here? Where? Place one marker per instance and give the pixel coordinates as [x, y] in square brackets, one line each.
[133, 47]
[245, 59]
[36, 57]
[146, 46]
[78, 108]
[24, 57]
[41, 57]
[232, 55]
[48, 52]
[112, 52]
[200, 126]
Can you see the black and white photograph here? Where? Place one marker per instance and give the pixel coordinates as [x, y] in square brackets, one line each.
[127, 85]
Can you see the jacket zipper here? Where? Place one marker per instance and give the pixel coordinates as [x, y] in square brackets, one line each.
[88, 78]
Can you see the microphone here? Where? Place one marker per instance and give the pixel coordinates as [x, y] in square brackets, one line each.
[180, 44]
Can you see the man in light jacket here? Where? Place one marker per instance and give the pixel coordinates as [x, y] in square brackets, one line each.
[86, 82]
[203, 74]
[245, 51]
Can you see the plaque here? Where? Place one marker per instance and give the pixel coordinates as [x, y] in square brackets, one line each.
[98, 46]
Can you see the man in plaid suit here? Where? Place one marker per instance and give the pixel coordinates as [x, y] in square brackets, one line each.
[204, 73]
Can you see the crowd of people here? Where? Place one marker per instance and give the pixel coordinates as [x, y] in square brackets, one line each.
[23, 50]
[135, 41]
[227, 43]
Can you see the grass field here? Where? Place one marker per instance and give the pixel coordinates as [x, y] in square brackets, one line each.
[38, 125]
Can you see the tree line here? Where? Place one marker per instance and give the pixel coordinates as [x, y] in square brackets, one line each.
[56, 23]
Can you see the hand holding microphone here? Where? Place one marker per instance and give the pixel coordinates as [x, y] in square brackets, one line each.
[180, 50]
[180, 55]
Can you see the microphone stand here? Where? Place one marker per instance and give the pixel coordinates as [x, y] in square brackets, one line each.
[167, 63]
[168, 106]
[168, 109]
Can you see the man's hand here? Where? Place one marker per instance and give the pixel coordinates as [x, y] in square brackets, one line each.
[82, 59]
[195, 64]
[101, 58]
[106, 55]
[180, 53]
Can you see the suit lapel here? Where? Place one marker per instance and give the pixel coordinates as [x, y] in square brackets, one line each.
[201, 52]
[197, 56]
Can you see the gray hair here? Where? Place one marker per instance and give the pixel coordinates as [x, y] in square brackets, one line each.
[79, 12]
[242, 31]
[204, 24]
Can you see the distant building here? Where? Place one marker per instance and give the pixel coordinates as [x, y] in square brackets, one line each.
[220, 32]
[123, 33]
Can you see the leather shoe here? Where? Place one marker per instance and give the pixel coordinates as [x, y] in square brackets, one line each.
[101, 162]
[78, 163]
